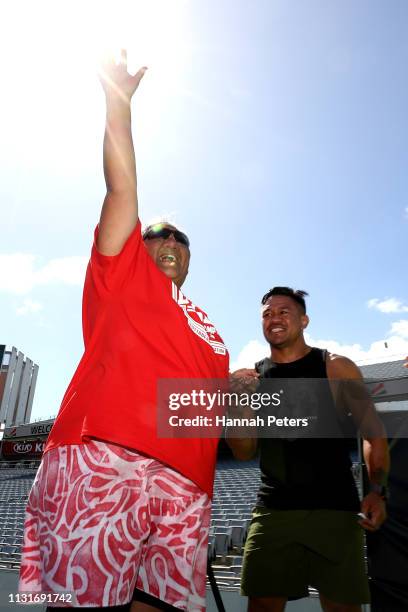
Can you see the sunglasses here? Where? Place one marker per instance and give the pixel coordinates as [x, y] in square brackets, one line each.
[159, 231]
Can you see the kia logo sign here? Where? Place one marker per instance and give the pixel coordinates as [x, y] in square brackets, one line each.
[24, 448]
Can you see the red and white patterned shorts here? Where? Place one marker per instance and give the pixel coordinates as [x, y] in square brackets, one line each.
[102, 520]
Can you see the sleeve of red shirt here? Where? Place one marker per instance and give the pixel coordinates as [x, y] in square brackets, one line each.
[111, 272]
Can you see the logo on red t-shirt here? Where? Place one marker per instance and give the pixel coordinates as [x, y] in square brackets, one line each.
[199, 322]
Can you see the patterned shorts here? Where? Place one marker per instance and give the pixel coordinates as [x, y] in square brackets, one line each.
[103, 520]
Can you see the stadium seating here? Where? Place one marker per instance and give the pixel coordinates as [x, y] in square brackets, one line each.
[235, 490]
[15, 485]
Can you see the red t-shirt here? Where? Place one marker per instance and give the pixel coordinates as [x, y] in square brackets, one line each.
[138, 327]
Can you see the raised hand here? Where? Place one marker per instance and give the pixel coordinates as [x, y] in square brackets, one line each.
[115, 79]
[120, 208]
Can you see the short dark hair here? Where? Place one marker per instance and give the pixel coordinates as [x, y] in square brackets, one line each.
[296, 294]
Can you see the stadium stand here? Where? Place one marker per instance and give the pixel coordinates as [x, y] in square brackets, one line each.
[15, 485]
[235, 489]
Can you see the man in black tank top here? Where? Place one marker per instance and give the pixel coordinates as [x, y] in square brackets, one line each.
[305, 530]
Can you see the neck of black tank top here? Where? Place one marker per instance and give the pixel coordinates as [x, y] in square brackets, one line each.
[309, 350]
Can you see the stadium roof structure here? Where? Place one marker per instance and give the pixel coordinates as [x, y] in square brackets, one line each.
[395, 406]
[388, 369]
[388, 384]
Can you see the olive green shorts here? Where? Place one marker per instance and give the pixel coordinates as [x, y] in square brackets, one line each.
[288, 550]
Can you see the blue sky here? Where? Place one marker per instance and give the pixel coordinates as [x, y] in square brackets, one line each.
[273, 131]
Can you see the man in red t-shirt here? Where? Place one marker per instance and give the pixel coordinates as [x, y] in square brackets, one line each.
[115, 513]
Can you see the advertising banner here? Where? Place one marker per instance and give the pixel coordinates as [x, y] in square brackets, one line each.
[23, 449]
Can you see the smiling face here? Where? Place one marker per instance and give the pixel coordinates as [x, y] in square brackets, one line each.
[170, 256]
[283, 321]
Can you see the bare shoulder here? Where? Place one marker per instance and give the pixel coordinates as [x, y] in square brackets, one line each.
[339, 366]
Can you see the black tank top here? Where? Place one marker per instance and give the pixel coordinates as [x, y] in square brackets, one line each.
[306, 473]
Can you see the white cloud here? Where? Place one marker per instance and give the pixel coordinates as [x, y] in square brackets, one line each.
[400, 328]
[250, 354]
[16, 272]
[29, 307]
[388, 305]
[391, 348]
[19, 273]
[66, 270]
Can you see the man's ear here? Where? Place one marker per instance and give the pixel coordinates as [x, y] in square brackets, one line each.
[305, 321]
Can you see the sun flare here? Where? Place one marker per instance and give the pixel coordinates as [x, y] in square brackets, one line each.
[150, 31]
[53, 50]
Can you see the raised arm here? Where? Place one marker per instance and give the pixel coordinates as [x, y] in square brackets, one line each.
[119, 212]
